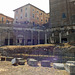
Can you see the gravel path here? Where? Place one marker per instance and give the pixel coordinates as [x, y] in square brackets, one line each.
[6, 68]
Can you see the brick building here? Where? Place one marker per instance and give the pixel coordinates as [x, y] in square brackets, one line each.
[62, 18]
[5, 19]
[30, 13]
[62, 12]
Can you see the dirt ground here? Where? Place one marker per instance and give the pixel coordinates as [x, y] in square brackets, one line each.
[6, 68]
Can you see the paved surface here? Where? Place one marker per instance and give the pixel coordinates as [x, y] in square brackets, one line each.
[6, 68]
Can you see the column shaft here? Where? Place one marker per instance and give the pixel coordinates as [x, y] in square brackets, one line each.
[45, 37]
[0, 39]
[8, 38]
[31, 37]
[60, 37]
[24, 39]
[38, 37]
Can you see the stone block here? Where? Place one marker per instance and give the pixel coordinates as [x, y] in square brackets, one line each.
[58, 66]
[71, 62]
[18, 61]
[21, 61]
[45, 63]
[70, 68]
[32, 62]
[3, 58]
[9, 58]
[14, 61]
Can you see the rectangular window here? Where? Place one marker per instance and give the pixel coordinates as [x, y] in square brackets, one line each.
[21, 16]
[41, 20]
[21, 10]
[46, 20]
[37, 18]
[33, 9]
[25, 14]
[25, 8]
[16, 11]
[16, 18]
[33, 15]
[2, 19]
[63, 15]
[37, 12]
[41, 13]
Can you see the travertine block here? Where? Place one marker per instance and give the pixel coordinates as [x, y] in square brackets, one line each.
[32, 62]
[45, 63]
[58, 65]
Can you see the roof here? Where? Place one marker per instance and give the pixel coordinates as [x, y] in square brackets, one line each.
[6, 16]
[27, 5]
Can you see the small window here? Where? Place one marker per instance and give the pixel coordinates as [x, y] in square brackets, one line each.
[2, 19]
[7, 21]
[37, 18]
[33, 23]
[37, 11]
[21, 17]
[25, 14]
[16, 11]
[46, 20]
[41, 20]
[41, 13]
[16, 18]
[25, 8]
[63, 15]
[33, 15]
[21, 10]
[33, 9]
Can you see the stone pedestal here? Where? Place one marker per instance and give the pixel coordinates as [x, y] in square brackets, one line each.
[58, 66]
[45, 63]
[32, 62]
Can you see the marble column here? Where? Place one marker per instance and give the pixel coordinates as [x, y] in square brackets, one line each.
[8, 37]
[45, 37]
[16, 40]
[60, 37]
[24, 39]
[0, 39]
[32, 37]
[16, 36]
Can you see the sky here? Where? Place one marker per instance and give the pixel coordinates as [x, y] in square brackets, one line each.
[7, 6]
